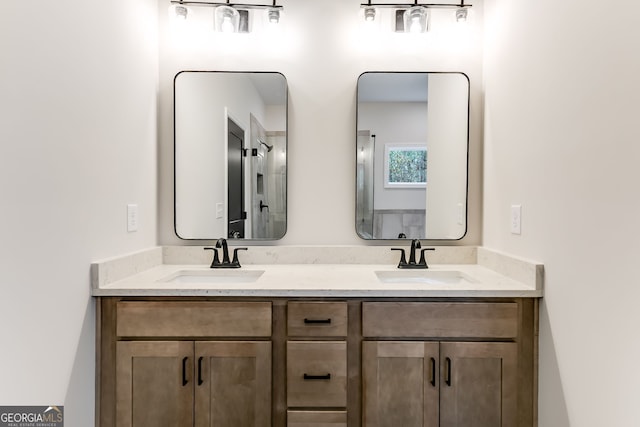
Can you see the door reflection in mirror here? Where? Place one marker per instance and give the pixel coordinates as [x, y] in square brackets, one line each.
[412, 155]
[230, 155]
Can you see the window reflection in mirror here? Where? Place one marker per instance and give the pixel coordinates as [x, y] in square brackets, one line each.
[230, 155]
[412, 155]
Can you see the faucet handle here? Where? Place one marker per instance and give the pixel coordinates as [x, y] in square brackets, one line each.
[235, 262]
[216, 260]
[403, 259]
[423, 260]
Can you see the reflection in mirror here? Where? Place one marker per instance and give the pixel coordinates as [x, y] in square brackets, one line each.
[230, 155]
[411, 150]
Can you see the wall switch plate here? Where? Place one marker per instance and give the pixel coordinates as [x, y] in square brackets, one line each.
[219, 210]
[516, 215]
[132, 218]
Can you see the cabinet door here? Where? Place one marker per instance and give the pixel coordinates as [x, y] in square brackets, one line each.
[154, 384]
[400, 384]
[233, 383]
[479, 384]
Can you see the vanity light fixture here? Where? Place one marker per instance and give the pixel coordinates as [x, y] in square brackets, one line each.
[274, 16]
[179, 12]
[227, 19]
[231, 17]
[414, 18]
[369, 12]
[461, 15]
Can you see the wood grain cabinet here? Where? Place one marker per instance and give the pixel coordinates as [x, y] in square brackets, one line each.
[316, 363]
[428, 382]
[431, 384]
[183, 381]
[296, 362]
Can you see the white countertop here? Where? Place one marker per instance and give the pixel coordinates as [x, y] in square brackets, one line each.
[318, 280]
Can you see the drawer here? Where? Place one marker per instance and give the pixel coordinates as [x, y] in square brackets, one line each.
[316, 374]
[439, 320]
[316, 319]
[316, 419]
[193, 319]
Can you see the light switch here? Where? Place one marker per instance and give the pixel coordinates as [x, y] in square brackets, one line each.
[516, 215]
[132, 218]
[219, 210]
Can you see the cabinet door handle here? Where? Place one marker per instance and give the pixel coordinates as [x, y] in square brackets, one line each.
[317, 377]
[433, 372]
[200, 370]
[316, 321]
[448, 377]
[184, 371]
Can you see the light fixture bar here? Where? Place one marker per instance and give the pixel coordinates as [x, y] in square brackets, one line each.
[409, 5]
[238, 5]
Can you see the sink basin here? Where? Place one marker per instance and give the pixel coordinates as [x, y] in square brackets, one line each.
[429, 277]
[214, 276]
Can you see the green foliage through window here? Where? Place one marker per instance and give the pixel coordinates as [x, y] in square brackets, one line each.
[407, 166]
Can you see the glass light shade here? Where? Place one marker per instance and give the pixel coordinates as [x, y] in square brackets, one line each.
[461, 15]
[416, 20]
[274, 16]
[227, 19]
[179, 12]
[369, 14]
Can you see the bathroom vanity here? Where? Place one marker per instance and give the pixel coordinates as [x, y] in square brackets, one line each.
[316, 344]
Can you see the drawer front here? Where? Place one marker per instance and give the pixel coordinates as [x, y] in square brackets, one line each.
[439, 320]
[317, 319]
[316, 374]
[193, 319]
[316, 419]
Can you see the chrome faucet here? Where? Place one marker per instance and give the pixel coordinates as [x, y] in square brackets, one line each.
[415, 246]
[226, 262]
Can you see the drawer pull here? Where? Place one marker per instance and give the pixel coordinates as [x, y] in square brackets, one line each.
[184, 371]
[200, 370]
[448, 378]
[317, 321]
[433, 372]
[317, 377]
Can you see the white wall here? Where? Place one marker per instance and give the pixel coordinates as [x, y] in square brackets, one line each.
[447, 170]
[204, 101]
[77, 144]
[562, 139]
[391, 123]
[322, 50]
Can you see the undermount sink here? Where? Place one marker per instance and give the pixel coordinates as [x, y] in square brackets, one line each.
[214, 276]
[429, 277]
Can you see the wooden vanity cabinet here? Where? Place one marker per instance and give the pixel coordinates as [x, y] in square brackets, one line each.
[440, 364]
[317, 363]
[183, 364]
[370, 362]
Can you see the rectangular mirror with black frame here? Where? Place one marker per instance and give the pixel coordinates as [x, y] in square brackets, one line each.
[230, 146]
[412, 148]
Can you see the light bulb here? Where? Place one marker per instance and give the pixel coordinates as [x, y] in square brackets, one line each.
[274, 16]
[369, 14]
[415, 20]
[461, 15]
[181, 12]
[178, 13]
[227, 19]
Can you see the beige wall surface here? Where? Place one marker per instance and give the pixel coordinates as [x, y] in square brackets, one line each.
[77, 144]
[321, 50]
[561, 139]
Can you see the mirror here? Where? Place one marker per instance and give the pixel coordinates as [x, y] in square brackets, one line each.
[230, 146]
[412, 155]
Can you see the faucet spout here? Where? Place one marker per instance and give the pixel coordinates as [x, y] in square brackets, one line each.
[415, 246]
[222, 243]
